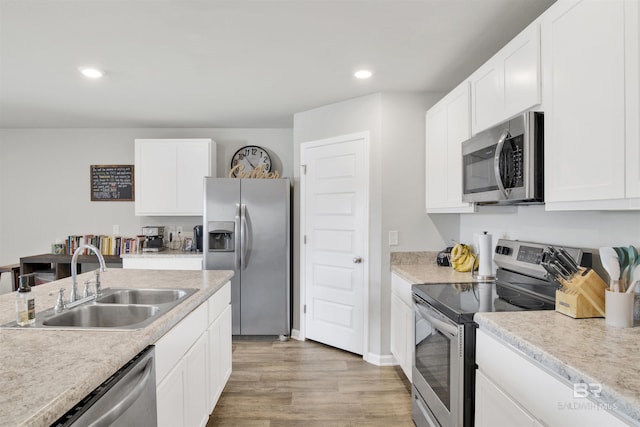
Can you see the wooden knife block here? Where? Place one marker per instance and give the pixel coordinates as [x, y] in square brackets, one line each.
[582, 296]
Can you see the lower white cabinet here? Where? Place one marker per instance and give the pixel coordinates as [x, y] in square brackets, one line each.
[402, 323]
[163, 263]
[513, 391]
[219, 355]
[193, 363]
[494, 408]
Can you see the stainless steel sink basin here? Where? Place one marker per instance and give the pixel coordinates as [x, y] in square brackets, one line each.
[118, 308]
[103, 316]
[143, 296]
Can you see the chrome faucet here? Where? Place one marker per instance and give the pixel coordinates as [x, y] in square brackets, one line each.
[74, 271]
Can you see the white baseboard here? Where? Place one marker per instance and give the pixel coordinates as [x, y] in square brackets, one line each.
[380, 360]
[295, 334]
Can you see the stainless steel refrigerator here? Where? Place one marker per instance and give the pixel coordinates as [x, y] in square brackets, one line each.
[247, 229]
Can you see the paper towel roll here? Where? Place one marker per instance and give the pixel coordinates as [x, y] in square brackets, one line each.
[483, 246]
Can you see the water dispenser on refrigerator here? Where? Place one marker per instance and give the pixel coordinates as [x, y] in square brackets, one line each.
[221, 236]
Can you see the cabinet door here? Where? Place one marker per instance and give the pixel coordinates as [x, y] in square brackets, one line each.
[584, 100]
[170, 398]
[193, 164]
[495, 409]
[521, 70]
[155, 176]
[398, 334]
[219, 356]
[407, 326]
[225, 348]
[447, 126]
[508, 83]
[487, 95]
[632, 38]
[196, 380]
[436, 157]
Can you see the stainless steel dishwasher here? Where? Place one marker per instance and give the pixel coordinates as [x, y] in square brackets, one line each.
[127, 398]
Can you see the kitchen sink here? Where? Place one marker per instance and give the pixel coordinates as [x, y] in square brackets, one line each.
[103, 316]
[144, 296]
[116, 309]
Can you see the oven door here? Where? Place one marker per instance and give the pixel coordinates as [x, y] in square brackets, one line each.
[438, 365]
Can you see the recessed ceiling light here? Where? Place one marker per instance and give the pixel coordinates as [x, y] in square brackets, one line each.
[92, 73]
[363, 74]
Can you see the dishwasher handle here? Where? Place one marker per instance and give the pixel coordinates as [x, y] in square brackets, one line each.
[125, 403]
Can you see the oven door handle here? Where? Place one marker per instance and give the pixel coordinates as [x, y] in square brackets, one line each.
[439, 324]
[496, 163]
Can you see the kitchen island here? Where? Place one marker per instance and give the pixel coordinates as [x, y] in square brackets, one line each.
[45, 372]
[603, 361]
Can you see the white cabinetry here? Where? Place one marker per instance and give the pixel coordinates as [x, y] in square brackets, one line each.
[160, 262]
[494, 408]
[508, 83]
[447, 126]
[591, 104]
[169, 175]
[219, 334]
[512, 390]
[191, 369]
[402, 323]
[632, 82]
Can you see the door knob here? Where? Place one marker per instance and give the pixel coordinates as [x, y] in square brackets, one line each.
[357, 260]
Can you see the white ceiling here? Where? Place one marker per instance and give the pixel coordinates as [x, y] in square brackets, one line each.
[240, 63]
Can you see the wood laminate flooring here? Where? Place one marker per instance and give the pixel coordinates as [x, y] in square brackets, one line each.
[297, 383]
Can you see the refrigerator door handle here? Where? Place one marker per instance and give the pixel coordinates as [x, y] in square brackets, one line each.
[243, 235]
[237, 239]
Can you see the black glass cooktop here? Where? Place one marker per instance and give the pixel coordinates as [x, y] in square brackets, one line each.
[460, 301]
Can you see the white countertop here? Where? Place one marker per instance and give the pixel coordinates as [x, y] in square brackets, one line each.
[45, 372]
[167, 253]
[576, 350]
[416, 271]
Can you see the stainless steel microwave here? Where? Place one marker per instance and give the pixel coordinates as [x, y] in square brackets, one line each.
[504, 164]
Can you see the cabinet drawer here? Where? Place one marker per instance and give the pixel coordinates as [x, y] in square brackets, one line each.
[402, 289]
[219, 302]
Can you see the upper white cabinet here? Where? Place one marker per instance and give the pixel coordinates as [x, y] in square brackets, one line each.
[632, 101]
[447, 126]
[169, 175]
[591, 97]
[508, 83]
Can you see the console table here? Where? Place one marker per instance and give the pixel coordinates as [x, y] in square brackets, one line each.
[60, 265]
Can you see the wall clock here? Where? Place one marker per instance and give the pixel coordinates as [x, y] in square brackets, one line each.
[249, 158]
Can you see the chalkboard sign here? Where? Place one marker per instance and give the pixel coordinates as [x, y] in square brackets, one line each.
[112, 183]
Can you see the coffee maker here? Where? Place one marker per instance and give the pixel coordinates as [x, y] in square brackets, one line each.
[197, 238]
[153, 239]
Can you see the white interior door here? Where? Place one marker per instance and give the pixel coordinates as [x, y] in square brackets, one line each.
[334, 223]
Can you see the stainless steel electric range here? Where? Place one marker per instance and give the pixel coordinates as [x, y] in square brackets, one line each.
[444, 355]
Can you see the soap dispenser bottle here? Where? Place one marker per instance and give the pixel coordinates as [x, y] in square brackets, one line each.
[25, 303]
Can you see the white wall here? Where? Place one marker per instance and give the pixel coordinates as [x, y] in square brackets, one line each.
[395, 122]
[533, 223]
[44, 180]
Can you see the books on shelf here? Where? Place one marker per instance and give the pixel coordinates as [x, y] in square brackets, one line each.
[108, 245]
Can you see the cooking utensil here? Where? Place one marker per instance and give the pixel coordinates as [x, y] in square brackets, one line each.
[633, 261]
[608, 256]
[635, 277]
